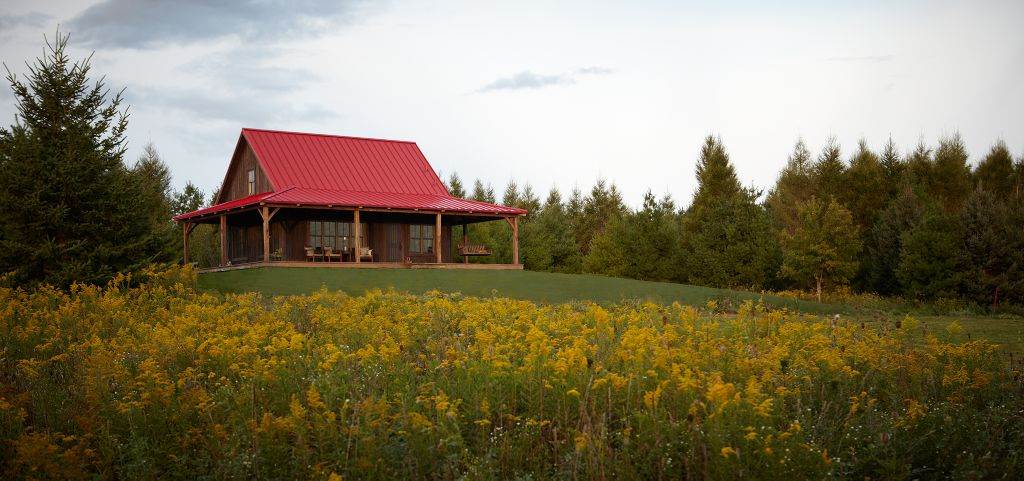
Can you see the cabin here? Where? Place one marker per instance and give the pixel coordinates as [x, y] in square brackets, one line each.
[301, 199]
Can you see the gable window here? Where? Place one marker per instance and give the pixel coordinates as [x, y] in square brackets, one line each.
[336, 235]
[251, 181]
[421, 239]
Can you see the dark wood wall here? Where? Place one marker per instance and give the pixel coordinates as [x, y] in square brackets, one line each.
[236, 183]
[389, 241]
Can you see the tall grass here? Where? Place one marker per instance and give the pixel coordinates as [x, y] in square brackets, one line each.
[164, 381]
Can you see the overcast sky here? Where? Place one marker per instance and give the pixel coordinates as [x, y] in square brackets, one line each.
[547, 94]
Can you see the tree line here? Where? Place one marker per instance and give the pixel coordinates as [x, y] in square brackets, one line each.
[922, 225]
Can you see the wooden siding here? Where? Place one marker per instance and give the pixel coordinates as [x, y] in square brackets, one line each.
[389, 241]
[236, 184]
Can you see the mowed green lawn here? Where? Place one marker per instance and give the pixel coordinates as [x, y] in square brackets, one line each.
[535, 286]
[556, 288]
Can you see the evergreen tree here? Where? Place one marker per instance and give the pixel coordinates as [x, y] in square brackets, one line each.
[823, 249]
[187, 200]
[511, 197]
[455, 187]
[639, 245]
[716, 177]
[893, 168]
[829, 172]
[931, 259]
[72, 211]
[528, 199]
[951, 182]
[995, 173]
[993, 249]
[602, 205]
[728, 240]
[866, 190]
[792, 188]
[918, 170]
[554, 248]
[155, 203]
[886, 242]
[481, 193]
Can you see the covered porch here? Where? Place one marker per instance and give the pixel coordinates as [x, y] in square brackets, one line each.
[257, 234]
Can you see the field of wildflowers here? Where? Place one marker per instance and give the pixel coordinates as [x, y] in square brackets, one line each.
[160, 380]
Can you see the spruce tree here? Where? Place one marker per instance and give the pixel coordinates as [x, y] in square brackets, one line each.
[156, 203]
[866, 192]
[931, 258]
[885, 243]
[72, 211]
[995, 173]
[994, 253]
[893, 168]
[823, 249]
[728, 239]
[602, 205]
[829, 172]
[951, 182]
[792, 188]
[455, 187]
[716, 177]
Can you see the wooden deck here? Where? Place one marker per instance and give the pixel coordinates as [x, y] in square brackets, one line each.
[365, 265]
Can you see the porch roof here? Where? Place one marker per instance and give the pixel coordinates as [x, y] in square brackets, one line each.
[300, 196]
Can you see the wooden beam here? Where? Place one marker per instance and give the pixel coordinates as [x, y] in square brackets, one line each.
[515, 240]
[185, 231]
[357, 253]
[465, 242]
[223, 239]
[437, 238]
[265, 214]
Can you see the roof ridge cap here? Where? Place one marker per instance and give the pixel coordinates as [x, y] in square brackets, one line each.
[336, 136]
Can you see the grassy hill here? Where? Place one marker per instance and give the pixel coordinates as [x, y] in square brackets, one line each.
[549, 287]
[536, 286]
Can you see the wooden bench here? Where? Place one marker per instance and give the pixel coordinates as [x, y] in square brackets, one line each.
[474, 250]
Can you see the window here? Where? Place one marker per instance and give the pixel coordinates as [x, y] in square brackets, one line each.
[336, 235]
[251, 180]
[421, 239]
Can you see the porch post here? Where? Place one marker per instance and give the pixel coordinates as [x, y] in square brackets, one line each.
[265, 214]
[437, 238]
[185, 231]
[358, 237]
[515, 240]
[465, 242]
[223, 240]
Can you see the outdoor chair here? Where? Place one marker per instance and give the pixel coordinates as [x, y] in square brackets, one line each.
[312, 254]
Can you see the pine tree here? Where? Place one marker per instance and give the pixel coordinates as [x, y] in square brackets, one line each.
[602, 205]
[728, 239]
[511, 197]
[455, 188]
[951, 183]
[188, 199]
[865, 188]
[823, 249]
[886, 242]
[995, 173]
[155, 204]
[638, 245]
[994, 253]
[716, 177]
[71, 208]
[893, 168]
[829, 172]
[793, 187]
[555, 246]
[931, 259]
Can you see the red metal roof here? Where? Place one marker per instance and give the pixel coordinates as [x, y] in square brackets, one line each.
[332, 162]
[331, 170]
[225, 206]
